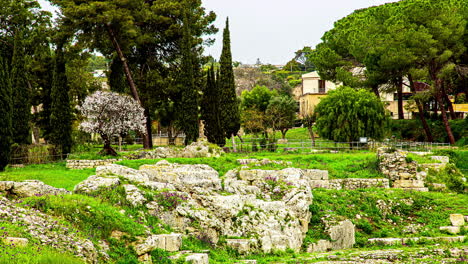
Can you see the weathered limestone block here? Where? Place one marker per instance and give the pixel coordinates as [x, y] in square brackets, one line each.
[242, 246]
[457, 219]
[158, 186]
[184, 177]
[246, 161]
[129, 174]
[133, 195]
[168, 242]
[408, 184]
[319, 246]
[385, 241]
[240, 187]
[16, 241]
[442, 159]
[342, 235]
[197, 258]
[94, 183]
[315, 174]
[88, 164]
[145, 258]
[29, 188]
[450, 229]
[319, 184]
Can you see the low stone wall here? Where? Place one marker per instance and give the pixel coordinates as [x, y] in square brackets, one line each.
[352, 184]
[89, 164]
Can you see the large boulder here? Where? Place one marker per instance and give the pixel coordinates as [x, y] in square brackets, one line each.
[94, 183]
[29, 188]
[129, 174]
[189, 178]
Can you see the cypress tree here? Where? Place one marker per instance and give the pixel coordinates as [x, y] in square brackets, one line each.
[188, 105]
[210, 110]
[6, 109]
[229, 105]
[61, 115]
[116, 76]
[21, 94]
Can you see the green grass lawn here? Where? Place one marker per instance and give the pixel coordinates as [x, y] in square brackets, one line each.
[54, 174]
[339, 165]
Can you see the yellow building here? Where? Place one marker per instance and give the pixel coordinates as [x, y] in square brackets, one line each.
[313, 89]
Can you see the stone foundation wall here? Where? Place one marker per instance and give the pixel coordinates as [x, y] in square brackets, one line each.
[352, 184]
[89, 164]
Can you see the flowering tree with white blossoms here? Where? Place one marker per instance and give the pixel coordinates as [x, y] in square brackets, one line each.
[111, 114]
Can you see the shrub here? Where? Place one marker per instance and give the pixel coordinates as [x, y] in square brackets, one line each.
[170, 200]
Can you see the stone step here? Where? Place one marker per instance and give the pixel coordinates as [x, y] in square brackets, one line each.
[399, 241]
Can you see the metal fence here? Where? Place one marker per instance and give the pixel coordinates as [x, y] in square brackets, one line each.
[253, 145]
[39, 154]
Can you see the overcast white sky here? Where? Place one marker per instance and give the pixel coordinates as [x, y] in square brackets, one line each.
[272, 30]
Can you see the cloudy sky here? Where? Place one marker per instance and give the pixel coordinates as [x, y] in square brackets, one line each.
[272, 30]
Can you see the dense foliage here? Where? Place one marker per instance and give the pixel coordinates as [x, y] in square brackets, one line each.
[230, 116]
[402, 43]
[347, 114]
[61, 112]
[6, 114]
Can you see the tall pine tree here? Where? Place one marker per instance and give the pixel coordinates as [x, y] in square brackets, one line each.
[188, 106]
[211, 110]
[6, 109]
[21, 94]
[61, 115]
[229, 105]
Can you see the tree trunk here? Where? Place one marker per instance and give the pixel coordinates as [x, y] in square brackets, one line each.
[449, 103]
[427, 130]
[234, 148]
[283, 133]
[311, 134]
[375, 89]
[128, 74]
[438, 84]
[400, 98]
[148, 137]
[107, 149]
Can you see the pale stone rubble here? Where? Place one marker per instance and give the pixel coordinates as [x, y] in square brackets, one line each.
[402, 174]
[277, 222]
[457, 221]
[197, 149]
[89, 164]
[48, 231]
[29, 188]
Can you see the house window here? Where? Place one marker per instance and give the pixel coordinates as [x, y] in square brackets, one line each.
[321, 86]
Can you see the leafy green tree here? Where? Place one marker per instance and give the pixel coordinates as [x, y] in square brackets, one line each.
[146, 37]
[61, 112]
[347, 114]
[210, 109]
[21, 94]
[281, 113]
[230, 116]
[6, 106]
[188, 111]
[259, 98]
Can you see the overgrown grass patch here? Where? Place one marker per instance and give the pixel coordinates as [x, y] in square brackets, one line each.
[33, 253]
[93, 217]
[385, 213]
